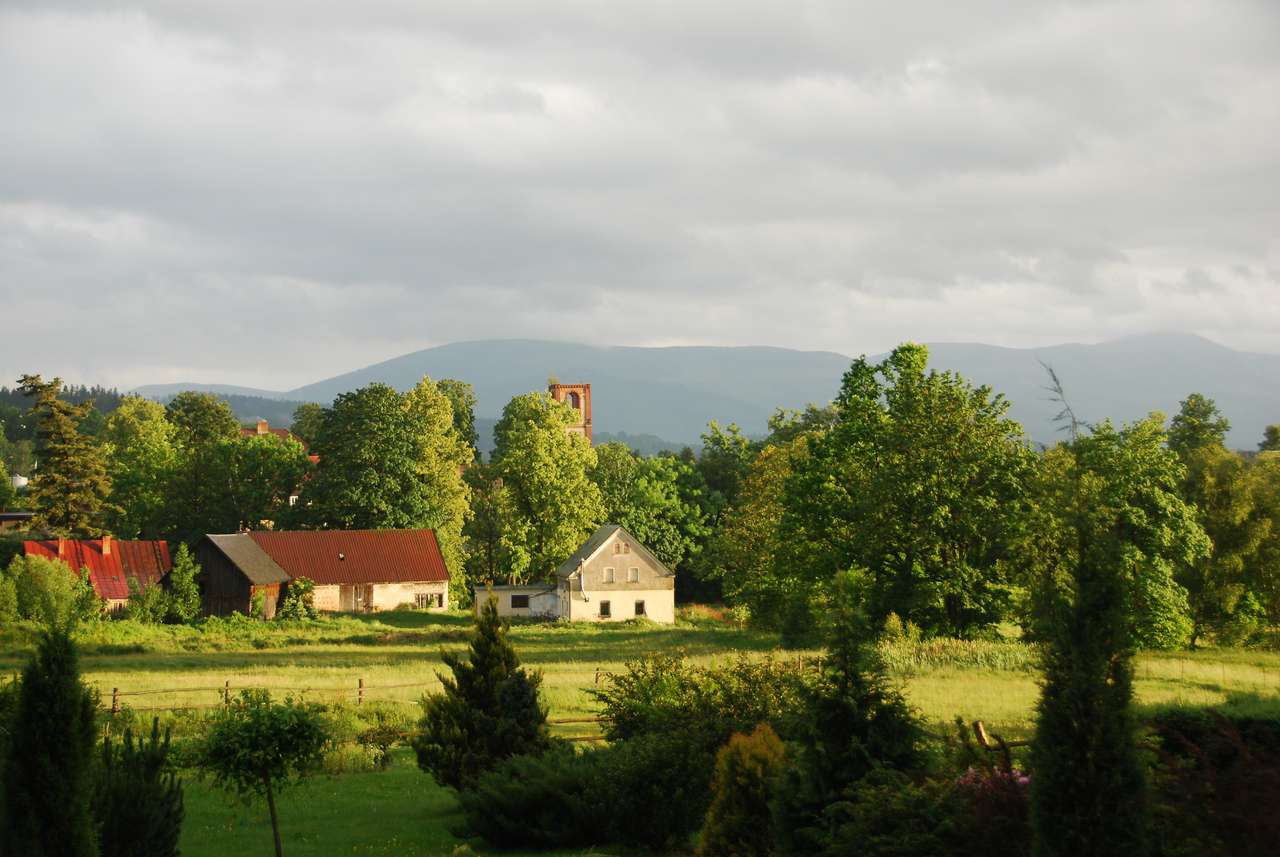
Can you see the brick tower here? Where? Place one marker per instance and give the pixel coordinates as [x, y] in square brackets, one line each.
[578, 397]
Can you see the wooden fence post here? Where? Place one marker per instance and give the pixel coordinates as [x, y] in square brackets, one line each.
[597, 675]
[115, 701]
[360, 692]
[226, 693]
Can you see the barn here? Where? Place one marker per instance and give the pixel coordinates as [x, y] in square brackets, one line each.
[110, 562]
[354, 570]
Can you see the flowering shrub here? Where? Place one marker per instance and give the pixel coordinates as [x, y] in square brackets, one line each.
[999, 799]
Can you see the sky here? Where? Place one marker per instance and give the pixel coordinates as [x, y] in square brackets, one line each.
[271, 193]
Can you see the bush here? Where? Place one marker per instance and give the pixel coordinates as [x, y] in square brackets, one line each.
[149, 606]
[738, 821]
[137, 800]
[299, 601]
[886, 814]
[49, 592]
[661, 693]
[489, 710]
[650, 791]
[47, 784]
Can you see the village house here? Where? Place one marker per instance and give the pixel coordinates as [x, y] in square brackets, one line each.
[610, 578]
[111, 563]
[353, 570]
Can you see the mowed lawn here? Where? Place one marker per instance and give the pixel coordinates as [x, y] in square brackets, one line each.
[400, 811]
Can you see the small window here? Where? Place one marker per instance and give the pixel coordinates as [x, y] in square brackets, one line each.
[519, 602]
[639, 608]
[608, 575]
[633, 575]
[605, 610]
[617, 547]
[626, 548]
[422, 600]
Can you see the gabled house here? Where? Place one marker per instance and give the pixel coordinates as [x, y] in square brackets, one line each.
[354, 570]
[111, 562]
[611, 577]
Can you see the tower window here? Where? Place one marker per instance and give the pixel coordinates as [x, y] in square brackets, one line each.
[574, 400]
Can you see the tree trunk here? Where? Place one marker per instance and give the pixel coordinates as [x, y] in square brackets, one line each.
[275, 820]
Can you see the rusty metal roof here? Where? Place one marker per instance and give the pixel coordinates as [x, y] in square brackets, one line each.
[355, 556]
[110, 569]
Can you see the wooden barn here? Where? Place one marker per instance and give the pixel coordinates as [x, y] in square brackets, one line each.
[111, 563]
[354, 570]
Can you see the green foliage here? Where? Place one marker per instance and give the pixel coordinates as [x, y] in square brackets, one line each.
[851, 723]
[920, 481]
[738, 822]
[48, 771]
[138, 442]
[256, 747]
[548, 503]
[726, 454]
[7, 492]
[184, 592]
[299, 600]
[489, 710]
[203, 427]
[137, 798]
[70, 488]
[148, 605]
[1109, 527]
[48, 592]
[308, 417]
[482, 533]
[1197, 425]
[1270, 439]
[8, 599]
[663, 693]
[887, 814]
[462, 399]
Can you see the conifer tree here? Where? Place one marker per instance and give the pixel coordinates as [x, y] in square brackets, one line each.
[70, 489]
[489, 710]
[137, 800]
[47, 785]
[184, 592]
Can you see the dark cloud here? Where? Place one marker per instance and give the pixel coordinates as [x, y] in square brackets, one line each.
[272, 193]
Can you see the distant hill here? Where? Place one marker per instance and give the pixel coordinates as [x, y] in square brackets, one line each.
[671, 393]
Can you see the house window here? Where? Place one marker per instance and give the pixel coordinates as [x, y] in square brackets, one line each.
[608, 575]
[422, 600]
[639, 608]
[626, 548]
[633, 575]
[519, 602]
[617, 547]
[605, 610]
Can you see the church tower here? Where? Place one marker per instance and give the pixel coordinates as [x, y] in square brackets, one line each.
[578, 397]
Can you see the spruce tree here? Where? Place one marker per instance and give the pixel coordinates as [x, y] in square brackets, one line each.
[70, 489]
[184, 592]
[48, 772]
[137, 800]
[489, 710]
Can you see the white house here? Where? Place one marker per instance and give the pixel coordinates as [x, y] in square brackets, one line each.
[610, 578]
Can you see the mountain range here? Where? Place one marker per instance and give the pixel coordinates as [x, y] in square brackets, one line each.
[665, 396]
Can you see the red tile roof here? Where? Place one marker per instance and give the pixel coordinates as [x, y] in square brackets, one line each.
[109, 571]
[356, 556]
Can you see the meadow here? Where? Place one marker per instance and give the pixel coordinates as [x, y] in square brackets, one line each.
[397, 654]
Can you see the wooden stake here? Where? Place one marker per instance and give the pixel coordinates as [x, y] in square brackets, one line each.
[360, 692]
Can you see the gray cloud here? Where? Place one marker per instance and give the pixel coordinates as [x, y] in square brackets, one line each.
[271, 193]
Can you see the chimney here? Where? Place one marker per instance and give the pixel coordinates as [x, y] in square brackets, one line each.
[106, 545]
[263, 428]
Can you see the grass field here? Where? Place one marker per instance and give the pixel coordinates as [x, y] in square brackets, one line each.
[400, 811]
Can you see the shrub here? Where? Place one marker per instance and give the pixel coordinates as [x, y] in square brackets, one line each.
[149, 606]
[886, 814]
[299, 600]
[738, 821]
[489, 710]
[137, 800]
[257, 747]
[8, 599]
[47, 783]
[49, 592]
[184, 592]
[660, 693]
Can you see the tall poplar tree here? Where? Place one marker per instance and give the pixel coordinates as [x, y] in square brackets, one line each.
[442, 453]
[71, 486]
[550, 505]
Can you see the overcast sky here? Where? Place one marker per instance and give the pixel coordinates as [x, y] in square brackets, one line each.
[270, 192]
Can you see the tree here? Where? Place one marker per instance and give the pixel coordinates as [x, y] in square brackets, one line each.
[184, 592]
[482, 533]
[726, 453]
[260, 473]
[307, 419]
[643, 495]
[48, 772]
[49, 592]
[71, 486]
[1262, 572]
[920, 481]
[7, 492]
[737, 823]
[138, 443]
[1198, 424]
[549, 503]
[490, 710]
[1270, 439]
[748, 543]
[441, 455]
[202, 426]
[462, 398]
[852, 722]
[257, 748]
[1106, 531]
[137, 798]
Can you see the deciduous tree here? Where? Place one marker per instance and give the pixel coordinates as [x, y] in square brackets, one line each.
[307, 419]
[203, 425]
[462, 397]
[644, 495]
[141, 457]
